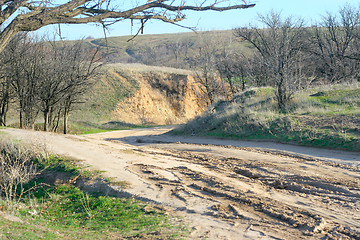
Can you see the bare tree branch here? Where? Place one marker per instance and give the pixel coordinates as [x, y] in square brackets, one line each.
[281, 47]
[27, 15]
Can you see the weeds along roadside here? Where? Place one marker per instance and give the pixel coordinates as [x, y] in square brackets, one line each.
[42, 192]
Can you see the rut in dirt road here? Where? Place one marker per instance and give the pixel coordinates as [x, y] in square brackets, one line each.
[293, 194]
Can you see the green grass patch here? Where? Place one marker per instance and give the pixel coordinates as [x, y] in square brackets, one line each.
[87, 127]
[81, 127]
[58, 164]
[69, 207]
[20, 231]
[66, 211]
[57, 209]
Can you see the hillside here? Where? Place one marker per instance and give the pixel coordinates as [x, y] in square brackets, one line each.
[324, 116]
[172, 50]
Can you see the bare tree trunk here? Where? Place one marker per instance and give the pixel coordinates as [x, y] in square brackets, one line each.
[56, 121]
[243, 82]
[4, 109]
[21, 119]
[232, 89]
[46, 121]
[4, 113]
[67, 106]
[66, 118]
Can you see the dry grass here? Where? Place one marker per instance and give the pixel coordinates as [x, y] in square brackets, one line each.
[138, 67]
[16, 169]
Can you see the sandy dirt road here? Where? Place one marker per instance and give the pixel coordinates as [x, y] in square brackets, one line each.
[227, 189]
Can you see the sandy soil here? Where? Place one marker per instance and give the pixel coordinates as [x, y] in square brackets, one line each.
[227, 189]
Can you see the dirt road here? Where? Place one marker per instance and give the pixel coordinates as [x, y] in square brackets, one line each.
[227, 189]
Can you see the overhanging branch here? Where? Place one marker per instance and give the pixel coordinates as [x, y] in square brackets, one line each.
[39, 14]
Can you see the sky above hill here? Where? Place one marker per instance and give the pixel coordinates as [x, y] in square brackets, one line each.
[310, 10]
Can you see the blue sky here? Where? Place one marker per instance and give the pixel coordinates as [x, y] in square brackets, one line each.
[310, 10]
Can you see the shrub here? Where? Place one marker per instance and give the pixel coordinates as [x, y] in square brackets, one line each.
[16, 169]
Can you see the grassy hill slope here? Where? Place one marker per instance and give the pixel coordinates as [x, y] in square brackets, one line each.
[172, 50]
[326, 116]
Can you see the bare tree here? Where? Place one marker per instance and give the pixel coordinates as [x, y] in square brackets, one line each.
[82, 68]
[27, 15]
[23, 74]
[233, 67]
[64, 77]
[280, 45]
[47, 77]
[335, 45]
[5, 98]
[258, 71]
[52, 83]
[180, 50]
[205, 70]
[7, 71]
[6, 93]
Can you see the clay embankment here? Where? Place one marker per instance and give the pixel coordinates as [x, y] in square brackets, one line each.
[164, 96]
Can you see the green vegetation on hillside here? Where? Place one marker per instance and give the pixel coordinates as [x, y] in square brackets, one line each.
[84, 127]
[324, 117]
[112, 86]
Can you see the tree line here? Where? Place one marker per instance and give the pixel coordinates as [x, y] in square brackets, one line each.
[285, 54]
[44, 78]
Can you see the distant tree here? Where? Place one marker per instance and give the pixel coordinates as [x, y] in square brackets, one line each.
[180, 49]
[335, 45]
[151, 55]
[280, 45]
[259, 71]
[232, 67]
[204, 68]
